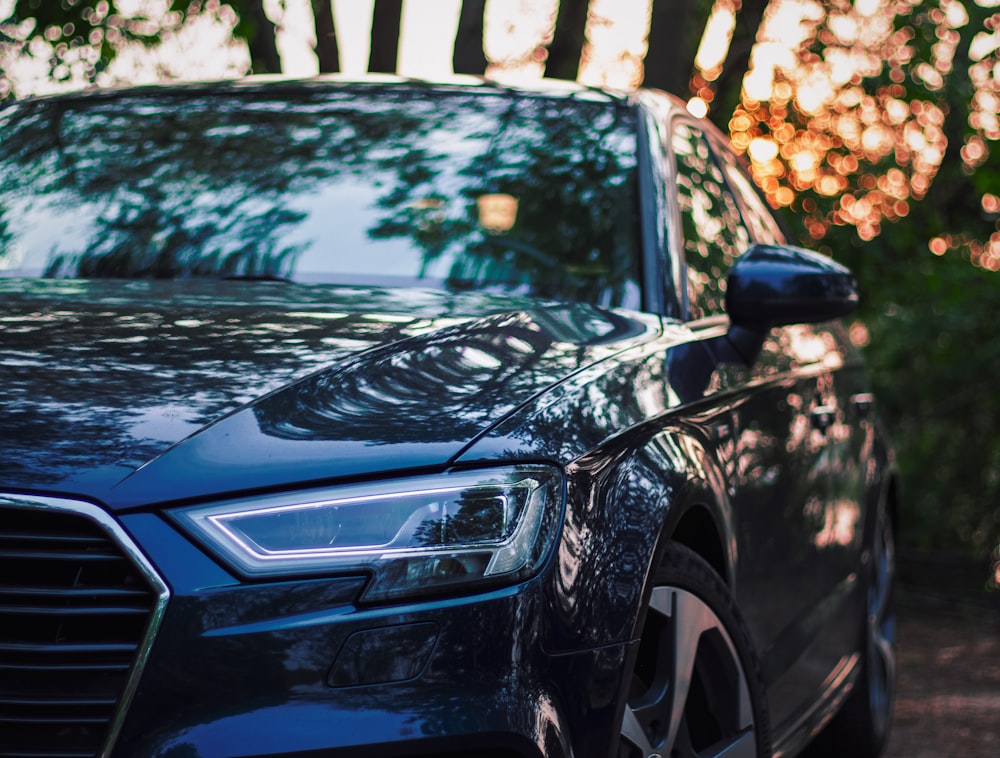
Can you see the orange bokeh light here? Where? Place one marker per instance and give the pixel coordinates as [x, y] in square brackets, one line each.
[808, 124]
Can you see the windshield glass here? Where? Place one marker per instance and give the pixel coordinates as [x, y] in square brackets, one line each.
[460, 190]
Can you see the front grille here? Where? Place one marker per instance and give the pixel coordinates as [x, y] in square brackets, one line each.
[77, 606]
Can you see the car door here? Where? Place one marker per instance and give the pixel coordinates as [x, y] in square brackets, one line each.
[842, 413]
[781, 408]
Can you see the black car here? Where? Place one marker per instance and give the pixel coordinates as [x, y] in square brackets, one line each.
[391, 418]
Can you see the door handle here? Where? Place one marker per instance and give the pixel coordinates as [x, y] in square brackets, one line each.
[821, 417]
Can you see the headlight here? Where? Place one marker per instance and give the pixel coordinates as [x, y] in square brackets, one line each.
[414, 535]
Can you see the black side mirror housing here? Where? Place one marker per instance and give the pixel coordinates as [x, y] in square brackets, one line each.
[771, 285]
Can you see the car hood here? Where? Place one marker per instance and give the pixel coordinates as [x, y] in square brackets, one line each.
[136, 392]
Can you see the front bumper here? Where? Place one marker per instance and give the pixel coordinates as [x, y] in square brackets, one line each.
[295, 668]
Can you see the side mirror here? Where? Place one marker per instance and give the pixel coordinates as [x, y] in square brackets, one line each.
[773, 285]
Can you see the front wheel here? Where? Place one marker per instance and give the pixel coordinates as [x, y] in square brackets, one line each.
[695, 689]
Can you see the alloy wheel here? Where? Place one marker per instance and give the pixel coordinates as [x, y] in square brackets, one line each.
[689, 693]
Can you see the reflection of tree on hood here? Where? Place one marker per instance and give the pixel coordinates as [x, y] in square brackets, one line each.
[446, 386]
[443, 386]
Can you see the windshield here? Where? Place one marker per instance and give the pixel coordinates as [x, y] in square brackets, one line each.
[491, 191]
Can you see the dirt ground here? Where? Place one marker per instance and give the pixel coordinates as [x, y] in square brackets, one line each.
[948, 696]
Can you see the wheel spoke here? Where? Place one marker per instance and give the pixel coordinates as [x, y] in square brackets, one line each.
[744, 746]
[881, 662]
[880, 622]
[690, 694]
[633, 732]
[691, 619]
[878, 602]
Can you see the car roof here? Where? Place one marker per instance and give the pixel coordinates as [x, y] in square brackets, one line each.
[548, 88]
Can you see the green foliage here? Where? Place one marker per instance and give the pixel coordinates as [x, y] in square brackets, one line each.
[936, 359]
[935, 354]
[79, 38]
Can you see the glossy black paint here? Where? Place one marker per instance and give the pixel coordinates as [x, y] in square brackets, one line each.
[742, 438]
[275, 644]
[192, 388]
[776, 286]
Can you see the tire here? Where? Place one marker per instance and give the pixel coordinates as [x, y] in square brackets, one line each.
[861, 729]
[695, 689]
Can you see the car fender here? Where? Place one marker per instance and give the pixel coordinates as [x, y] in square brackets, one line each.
[623, 505]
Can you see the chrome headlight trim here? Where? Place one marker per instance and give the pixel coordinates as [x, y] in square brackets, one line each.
[158, 586]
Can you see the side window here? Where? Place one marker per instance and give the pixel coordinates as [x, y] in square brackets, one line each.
[714, 233]
[758, 216]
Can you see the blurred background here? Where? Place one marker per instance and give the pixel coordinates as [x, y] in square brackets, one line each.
[872, 125]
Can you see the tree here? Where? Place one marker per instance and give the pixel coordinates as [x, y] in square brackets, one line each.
[674, 32]
[564, 51]
[79, 37]
[727, 87]
[386, 18]
[947, 251]
[893, 168]
[259, 32]
[327, 50]
[469, 56]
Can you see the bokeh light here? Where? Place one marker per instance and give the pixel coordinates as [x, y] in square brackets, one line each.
[840, 113]
[812, 121]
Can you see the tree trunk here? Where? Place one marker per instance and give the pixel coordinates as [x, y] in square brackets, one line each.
[568, 35]
[264, 58]
[469, 56]
[386, 18]
[675, 30]
[729, 86]
[326, 37]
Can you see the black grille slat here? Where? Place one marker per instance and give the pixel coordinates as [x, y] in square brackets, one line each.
[22, 536]
[74, 610]
[56, 666]
[46, 740]
[72, 702]
[55, 555]
[73, 593]
[56, 711]
[95, 610]
[59, 685]
[63, 648]
[51, 721]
